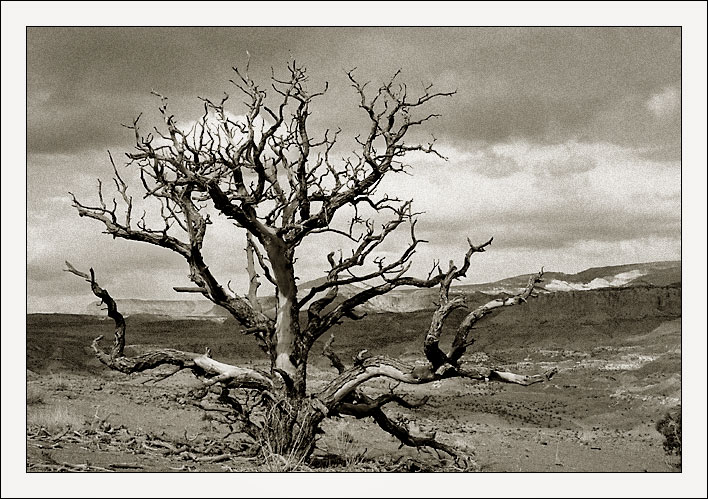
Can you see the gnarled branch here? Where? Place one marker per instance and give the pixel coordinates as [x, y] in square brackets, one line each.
[343, 385]
[460, 343]
[349, 380]
[113, 313]
[202, 365]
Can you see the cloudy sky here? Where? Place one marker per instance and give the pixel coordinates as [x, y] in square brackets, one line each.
[563, 144]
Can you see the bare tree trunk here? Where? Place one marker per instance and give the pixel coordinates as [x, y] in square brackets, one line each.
[290, 428]
[288, 351]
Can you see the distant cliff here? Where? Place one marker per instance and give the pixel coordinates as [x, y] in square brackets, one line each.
[598, 306]
[618, 277]
[643, 288]
[580, 319]
[174, 309]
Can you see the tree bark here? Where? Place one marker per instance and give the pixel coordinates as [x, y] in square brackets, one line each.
[288, 353]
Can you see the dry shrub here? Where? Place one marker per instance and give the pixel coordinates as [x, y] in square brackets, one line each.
[274, 462]
[670, 427]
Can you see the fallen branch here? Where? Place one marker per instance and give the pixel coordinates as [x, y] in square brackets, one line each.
[157, 379]
[185, 289]
[126, 466]
[520, 379]
[215, 459]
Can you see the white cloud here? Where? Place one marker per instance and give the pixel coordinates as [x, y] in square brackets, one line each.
[622, 197]
[665, 102]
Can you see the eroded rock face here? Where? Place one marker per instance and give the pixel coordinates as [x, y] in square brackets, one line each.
[582, 319]
[596, 306]
[620, 303]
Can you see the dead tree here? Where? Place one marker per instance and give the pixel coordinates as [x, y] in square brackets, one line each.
[269, 175]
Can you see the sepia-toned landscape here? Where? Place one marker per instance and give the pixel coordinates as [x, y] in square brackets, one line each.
[387, 249]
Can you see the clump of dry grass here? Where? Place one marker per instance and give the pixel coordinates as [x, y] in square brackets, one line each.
[274, 456]
[35, 395]
[273, 462]
[345, 448]
[54, 418]
[59, 383]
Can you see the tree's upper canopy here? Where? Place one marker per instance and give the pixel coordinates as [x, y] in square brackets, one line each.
[266, 172]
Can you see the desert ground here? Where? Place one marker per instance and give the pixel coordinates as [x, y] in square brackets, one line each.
[618, 352]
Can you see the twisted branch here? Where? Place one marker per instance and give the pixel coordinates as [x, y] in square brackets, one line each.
[202, 365]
